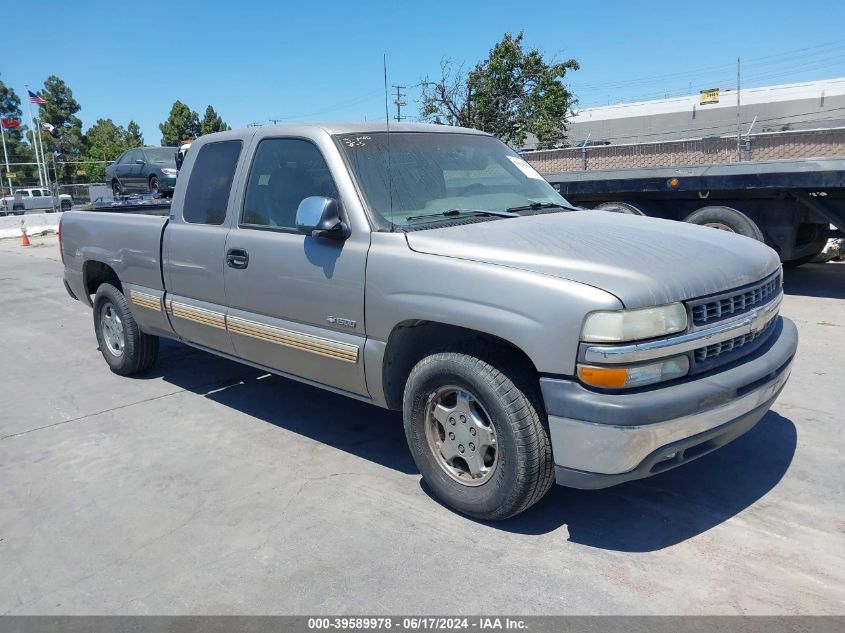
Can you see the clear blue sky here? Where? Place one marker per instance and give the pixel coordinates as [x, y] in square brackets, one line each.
[322, 59]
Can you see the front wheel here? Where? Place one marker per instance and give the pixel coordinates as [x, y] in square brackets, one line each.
[125, 348]
[116, 189]
[154, 186]
[476, 432]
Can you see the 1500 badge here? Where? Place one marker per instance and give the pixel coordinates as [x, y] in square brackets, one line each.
[341, 321]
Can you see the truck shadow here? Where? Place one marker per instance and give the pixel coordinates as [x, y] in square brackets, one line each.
[816, 280]
[664, 510]
[638, 516]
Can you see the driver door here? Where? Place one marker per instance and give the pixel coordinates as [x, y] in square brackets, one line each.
[296, 303]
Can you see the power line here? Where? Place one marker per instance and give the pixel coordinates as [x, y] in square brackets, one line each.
[767, 67]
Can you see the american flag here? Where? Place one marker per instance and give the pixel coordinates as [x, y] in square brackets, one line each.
[34, 98]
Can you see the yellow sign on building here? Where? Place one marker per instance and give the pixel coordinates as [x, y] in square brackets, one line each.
[709, 96]
[11, 174]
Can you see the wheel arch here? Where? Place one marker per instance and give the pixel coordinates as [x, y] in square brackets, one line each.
[412, 340]
[95, 273]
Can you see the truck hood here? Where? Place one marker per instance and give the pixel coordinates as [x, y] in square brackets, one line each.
[643, 261]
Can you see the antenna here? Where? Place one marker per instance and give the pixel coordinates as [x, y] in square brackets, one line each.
[387, 122]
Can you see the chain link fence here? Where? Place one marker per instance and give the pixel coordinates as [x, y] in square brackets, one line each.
[70, 177]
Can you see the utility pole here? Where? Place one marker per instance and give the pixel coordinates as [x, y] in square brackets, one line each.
[738, 154]
[399, 101]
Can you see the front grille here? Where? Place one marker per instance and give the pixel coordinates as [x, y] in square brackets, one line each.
[711, 352]
[733, 303]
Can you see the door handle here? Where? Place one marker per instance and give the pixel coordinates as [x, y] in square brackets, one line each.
[237, 258]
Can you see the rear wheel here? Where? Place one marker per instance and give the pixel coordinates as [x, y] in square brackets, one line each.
[619, 207]
[125, 348]
[476, 432]
[726, 219]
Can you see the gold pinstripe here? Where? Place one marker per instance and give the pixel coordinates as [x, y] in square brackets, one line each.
[328, 348]
[195, 314]
[151, 302]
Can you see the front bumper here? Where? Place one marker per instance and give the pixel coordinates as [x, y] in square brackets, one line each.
[601, 439]
[166, 183]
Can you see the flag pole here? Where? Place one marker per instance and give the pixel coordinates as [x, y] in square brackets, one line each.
[5, 156]
[34, 137]
[44, 165]
[35, 133]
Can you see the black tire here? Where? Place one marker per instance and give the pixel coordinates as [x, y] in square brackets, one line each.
[139, 351]
[619, 207]
[524, 470]
[726, 219]
[154, 186]
[66, 205]
[116, 189]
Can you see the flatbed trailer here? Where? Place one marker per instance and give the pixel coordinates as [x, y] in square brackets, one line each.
[791, 205]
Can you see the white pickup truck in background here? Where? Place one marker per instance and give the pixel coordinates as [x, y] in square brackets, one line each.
[34, 199]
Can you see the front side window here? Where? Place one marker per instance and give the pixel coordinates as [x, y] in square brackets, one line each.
[284, 173]
[161, 156]
[124, 159]
[210, 183]
[420, 176]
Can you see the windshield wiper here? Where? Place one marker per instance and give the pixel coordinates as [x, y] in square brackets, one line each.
[465, 212]
[534, 206]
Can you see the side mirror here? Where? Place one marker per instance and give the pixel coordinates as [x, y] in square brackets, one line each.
[320, 217]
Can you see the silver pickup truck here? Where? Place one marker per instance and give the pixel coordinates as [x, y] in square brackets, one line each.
[431, 270]
[34, 199]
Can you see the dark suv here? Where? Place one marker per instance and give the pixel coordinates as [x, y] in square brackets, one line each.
[143, 169]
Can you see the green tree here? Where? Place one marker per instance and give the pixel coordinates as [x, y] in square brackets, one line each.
[182, 124]
[512, 93]
[212, 122]
[106, 141]
[68, 144]
[135, 137]
[18, 149]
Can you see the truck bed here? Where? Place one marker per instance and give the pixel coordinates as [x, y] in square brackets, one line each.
[128, 242]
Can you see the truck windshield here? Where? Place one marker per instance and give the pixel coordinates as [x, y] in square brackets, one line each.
[161, 155]
[442, 177]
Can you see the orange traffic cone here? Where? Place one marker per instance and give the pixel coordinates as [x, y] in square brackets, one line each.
[24, 238]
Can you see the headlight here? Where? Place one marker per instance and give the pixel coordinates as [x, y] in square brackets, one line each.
[633, 325]
[634, 376]
[167, 171]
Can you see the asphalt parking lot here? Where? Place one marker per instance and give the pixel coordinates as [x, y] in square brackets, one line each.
[207, 487]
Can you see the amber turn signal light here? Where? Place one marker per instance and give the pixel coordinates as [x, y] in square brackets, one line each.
[603, 376]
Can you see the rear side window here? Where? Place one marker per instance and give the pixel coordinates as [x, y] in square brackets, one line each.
[210, 183]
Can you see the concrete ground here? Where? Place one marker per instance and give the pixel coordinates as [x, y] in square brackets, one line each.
[207, 487]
